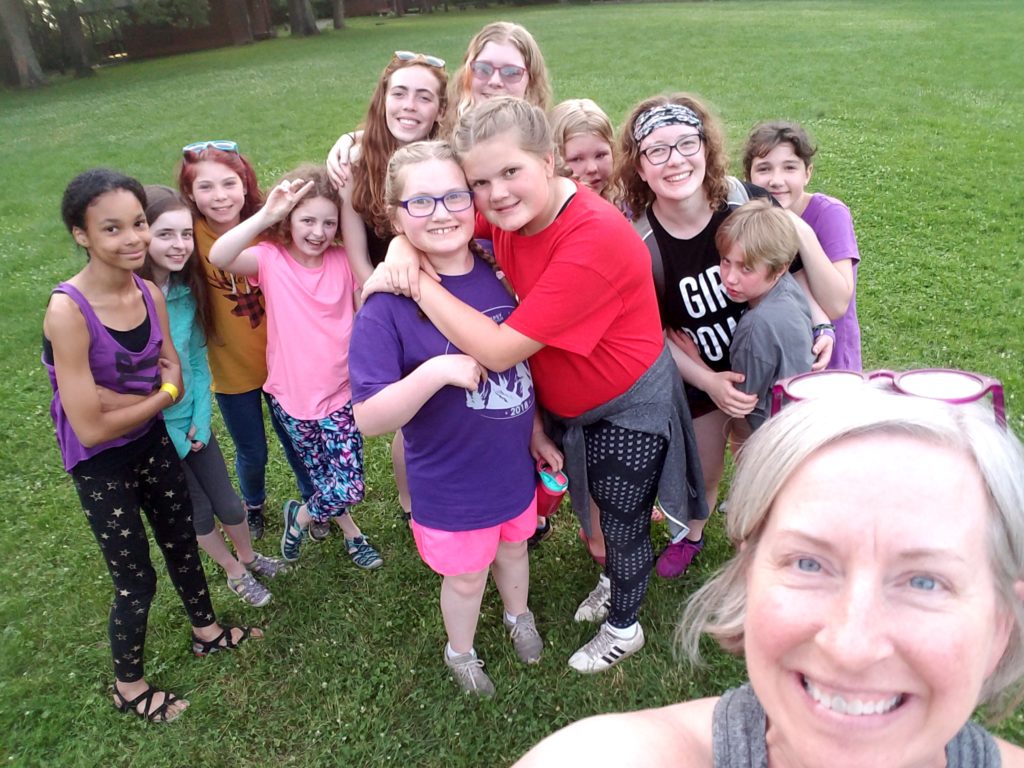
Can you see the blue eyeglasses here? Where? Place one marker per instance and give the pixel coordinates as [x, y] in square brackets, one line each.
[222, 144]
[422, 206]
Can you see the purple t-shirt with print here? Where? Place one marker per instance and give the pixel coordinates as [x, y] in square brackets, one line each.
[831, 221]
[467, 453]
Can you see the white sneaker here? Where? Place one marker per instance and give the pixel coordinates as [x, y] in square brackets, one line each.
[605, 650]
[596, 605]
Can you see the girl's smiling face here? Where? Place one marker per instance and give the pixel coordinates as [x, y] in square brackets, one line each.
[171, 242]
[443, 232]
[412, 103]
[116, 233]
[679, 178]
[783, 173]
[314, 226]
[512, 187]
[219, 194]
[499, 55]
[872, 613]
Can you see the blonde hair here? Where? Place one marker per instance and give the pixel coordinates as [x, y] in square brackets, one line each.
[636, 195]
[788, 440]
[765, 234]
[538, 86]
[582, 117]
[500, 115]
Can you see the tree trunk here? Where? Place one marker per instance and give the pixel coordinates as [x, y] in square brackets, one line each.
[301, 18]
[338, 11]
[14, 26]
[76, 51]
[239, 23]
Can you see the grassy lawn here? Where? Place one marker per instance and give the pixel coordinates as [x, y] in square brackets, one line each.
[917, 108]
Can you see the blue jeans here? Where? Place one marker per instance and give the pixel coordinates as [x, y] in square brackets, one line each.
[243, 416]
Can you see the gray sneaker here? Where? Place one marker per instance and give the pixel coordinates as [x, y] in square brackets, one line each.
[267, 567]
[319, 531]
[596, 605]
[250, 590]
[468, 671]
[525, 638]
[605, 650]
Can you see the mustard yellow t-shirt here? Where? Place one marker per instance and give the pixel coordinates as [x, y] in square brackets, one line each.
[238, 354]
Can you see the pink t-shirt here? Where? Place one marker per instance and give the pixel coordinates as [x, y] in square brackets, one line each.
[309, 324]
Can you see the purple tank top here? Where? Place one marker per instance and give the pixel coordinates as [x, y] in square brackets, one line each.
[113, 367]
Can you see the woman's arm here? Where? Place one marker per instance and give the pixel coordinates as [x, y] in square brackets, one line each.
[65, 327]
[392, 407]
[830, 283]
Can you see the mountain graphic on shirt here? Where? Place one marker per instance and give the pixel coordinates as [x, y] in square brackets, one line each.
[505, 395]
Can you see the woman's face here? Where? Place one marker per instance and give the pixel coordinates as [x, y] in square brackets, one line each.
[679, 178]
[511, 186]
[499, 55]
[412, 104]
[872, 616]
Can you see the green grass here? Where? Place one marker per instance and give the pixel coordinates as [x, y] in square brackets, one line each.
[917, 108]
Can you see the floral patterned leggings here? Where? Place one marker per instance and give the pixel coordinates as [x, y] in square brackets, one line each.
[331, 449]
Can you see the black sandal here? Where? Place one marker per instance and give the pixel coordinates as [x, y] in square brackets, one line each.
[157, 715]
[222, 642]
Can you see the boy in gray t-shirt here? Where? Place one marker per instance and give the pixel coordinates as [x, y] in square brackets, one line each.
[773, 339]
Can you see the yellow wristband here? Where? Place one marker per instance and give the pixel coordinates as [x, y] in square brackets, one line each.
[171, 390]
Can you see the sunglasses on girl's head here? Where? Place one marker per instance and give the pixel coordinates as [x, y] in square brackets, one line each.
[509, 74]
[432, 61]
[222, 144]
[956, 387]
[422, 206]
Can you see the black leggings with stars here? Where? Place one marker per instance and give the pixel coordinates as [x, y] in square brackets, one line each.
[115, 487]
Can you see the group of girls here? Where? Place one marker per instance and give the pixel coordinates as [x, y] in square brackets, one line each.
[533, 332]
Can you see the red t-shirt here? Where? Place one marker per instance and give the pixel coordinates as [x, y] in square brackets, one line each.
[586, 293]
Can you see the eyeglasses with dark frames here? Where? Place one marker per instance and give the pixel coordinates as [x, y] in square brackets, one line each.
[686, 146]
[421, 206]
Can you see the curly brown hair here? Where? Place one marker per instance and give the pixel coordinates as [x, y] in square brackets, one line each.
[636, 195]
[322, 187]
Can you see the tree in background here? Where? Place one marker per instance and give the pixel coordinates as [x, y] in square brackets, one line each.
[14, 25]
[301, 18]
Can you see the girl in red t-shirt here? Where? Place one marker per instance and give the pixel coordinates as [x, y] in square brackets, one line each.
[588, 322]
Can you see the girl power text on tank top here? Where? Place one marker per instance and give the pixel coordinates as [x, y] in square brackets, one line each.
[113, 366]
[738, 736]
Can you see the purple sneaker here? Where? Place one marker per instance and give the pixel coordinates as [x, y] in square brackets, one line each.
[676, 558]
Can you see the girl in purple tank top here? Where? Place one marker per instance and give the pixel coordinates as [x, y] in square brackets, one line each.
[113, 370]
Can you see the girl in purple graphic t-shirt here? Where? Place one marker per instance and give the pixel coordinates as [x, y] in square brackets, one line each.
[113, 369]
[468, 432]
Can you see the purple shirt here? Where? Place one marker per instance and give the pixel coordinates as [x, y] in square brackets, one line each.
[113, 367]
[467, 453]
[831, 221]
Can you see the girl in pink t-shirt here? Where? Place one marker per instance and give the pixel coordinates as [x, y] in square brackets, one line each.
[309, 290]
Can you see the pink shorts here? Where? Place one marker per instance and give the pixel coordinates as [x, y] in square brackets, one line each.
[452, 553]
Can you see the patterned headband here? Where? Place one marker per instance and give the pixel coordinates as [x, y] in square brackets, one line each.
[662, 115]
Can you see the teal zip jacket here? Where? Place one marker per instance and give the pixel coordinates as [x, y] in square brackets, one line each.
[194, 407]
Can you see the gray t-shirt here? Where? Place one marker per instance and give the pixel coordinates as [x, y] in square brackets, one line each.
[738, 736]
[772, 341]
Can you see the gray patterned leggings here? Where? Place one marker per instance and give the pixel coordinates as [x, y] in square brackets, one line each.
[623, 469]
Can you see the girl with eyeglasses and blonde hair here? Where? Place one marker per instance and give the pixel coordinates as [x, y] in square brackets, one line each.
[588, 323]
[468, 432]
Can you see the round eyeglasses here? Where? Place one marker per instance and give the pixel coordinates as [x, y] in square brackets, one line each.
[947, 385]
[422, 206]
[686, 146]
[509, 74]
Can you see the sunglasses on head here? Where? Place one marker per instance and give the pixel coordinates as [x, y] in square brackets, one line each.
[222, 144]
[510, 73]
[430, 61]
[947, 385]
